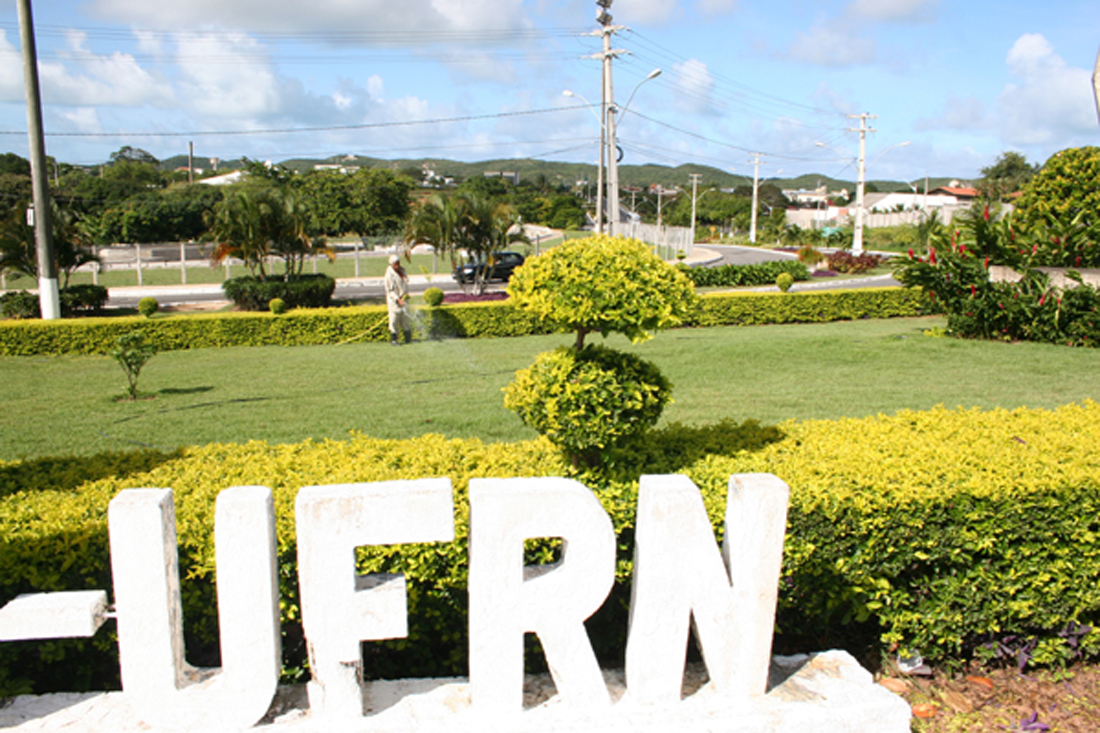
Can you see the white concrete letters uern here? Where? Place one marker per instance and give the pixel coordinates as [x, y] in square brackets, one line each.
[164, 690]
[679, 576]
[340, 609]
[508, 599]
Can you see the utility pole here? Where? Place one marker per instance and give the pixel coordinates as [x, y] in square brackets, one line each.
[694, 189]
[607, 115]
[756, 160]
[1096, 84]
[857, 238]
[190, 162]
[48, 296]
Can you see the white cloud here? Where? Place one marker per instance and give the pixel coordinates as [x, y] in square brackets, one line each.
[1053, 103]
[645, 12]
[960, 113]
[316, 15]
[712, 8]
[84, 78]
[897, 11]
[241, 84]
[832, 43]
[695, 86]
[11, 71]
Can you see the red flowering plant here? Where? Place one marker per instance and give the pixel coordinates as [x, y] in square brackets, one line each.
[956, 278]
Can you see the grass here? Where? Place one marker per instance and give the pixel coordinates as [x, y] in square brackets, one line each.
[70, 405]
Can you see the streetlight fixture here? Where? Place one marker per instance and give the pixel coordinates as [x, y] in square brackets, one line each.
[599, 177]
[613, 150]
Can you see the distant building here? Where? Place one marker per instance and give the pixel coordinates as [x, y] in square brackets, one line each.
[887, 202]
[510, 176]
[225, 179]
[345, 169]
[964, 194]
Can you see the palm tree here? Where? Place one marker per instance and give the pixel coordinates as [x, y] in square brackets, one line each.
[251, 224]
[71, 243]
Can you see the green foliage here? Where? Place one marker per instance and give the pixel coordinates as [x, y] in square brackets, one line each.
[587, 400]
[71, 246]
[277, 306]
[956, 276]
[19, 304]
[433, 296]
[731, 276]
[784, 281]
[939, 531]
[1067, 185]
[297, 291]
[471, 320]
[148, 306]
[1006, 176]
[132, 353]
[603, 284]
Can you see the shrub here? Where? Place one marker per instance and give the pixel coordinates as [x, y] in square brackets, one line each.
[586, 400]
[433, 296]
[808, 255]
[148, 306]
[940, 531]
[784, 281]
[1067, 185]
[19, 304]
[299, 291]
[732, 276]
[603, 285]
[132, 354]
[277, 306]
[846, 262]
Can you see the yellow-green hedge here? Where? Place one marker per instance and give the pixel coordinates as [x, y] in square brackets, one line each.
[938, 531]
[368, 323]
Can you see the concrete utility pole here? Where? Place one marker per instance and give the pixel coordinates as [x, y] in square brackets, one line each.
[756, 161]
[610, 201]
[857, 238]
[694, 189]
[1096, 84]
[48, 296]
[190, 162]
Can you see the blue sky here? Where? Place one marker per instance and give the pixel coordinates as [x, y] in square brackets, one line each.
[960, 81]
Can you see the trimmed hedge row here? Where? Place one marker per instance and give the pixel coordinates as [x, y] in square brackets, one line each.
[470, 320]
[939, 531]
[732, 276]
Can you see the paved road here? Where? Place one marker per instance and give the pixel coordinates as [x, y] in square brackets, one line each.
[363, 288]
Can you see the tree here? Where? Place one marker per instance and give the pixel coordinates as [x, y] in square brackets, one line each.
[72, 246]
[1007, 175]
[253, 223]
[603, 284]
[379, 201]
[1067, 185]
[133, 155]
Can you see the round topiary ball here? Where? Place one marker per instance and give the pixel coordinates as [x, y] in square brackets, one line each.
[277, 306]
[784, 281]
[148, 306]
[589, 399]
[433, 296]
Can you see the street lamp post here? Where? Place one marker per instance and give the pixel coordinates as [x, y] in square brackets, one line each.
[613, 150]
[599, 175]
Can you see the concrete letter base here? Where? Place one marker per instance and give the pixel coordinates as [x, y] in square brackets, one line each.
[827, 691]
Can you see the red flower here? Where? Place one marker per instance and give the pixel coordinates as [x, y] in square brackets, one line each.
[986, 212]
[986, 263]
[1042, 298]
[1077, 261]
[1034, 248]
[932, 255]
[910, 254]
[973, 291]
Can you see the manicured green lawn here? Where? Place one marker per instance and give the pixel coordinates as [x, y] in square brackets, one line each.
[61, 405]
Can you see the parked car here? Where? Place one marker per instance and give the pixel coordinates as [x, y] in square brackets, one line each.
[504, 264]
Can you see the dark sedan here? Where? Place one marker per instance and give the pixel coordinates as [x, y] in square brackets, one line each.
[504, 263]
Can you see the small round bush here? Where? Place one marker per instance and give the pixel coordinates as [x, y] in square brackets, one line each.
[784, 281]
[588, 399]
[277, 306]
[148, 306]
[433, 296]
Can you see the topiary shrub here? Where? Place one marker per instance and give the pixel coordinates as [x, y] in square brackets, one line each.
[433, 297]
[277, 306]
[148, 306]
[299, 291]
[586, 400]
[784, 281]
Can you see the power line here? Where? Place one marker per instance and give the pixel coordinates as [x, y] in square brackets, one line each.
[323, 128]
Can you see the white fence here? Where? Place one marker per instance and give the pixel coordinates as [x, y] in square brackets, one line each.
[669, 241]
